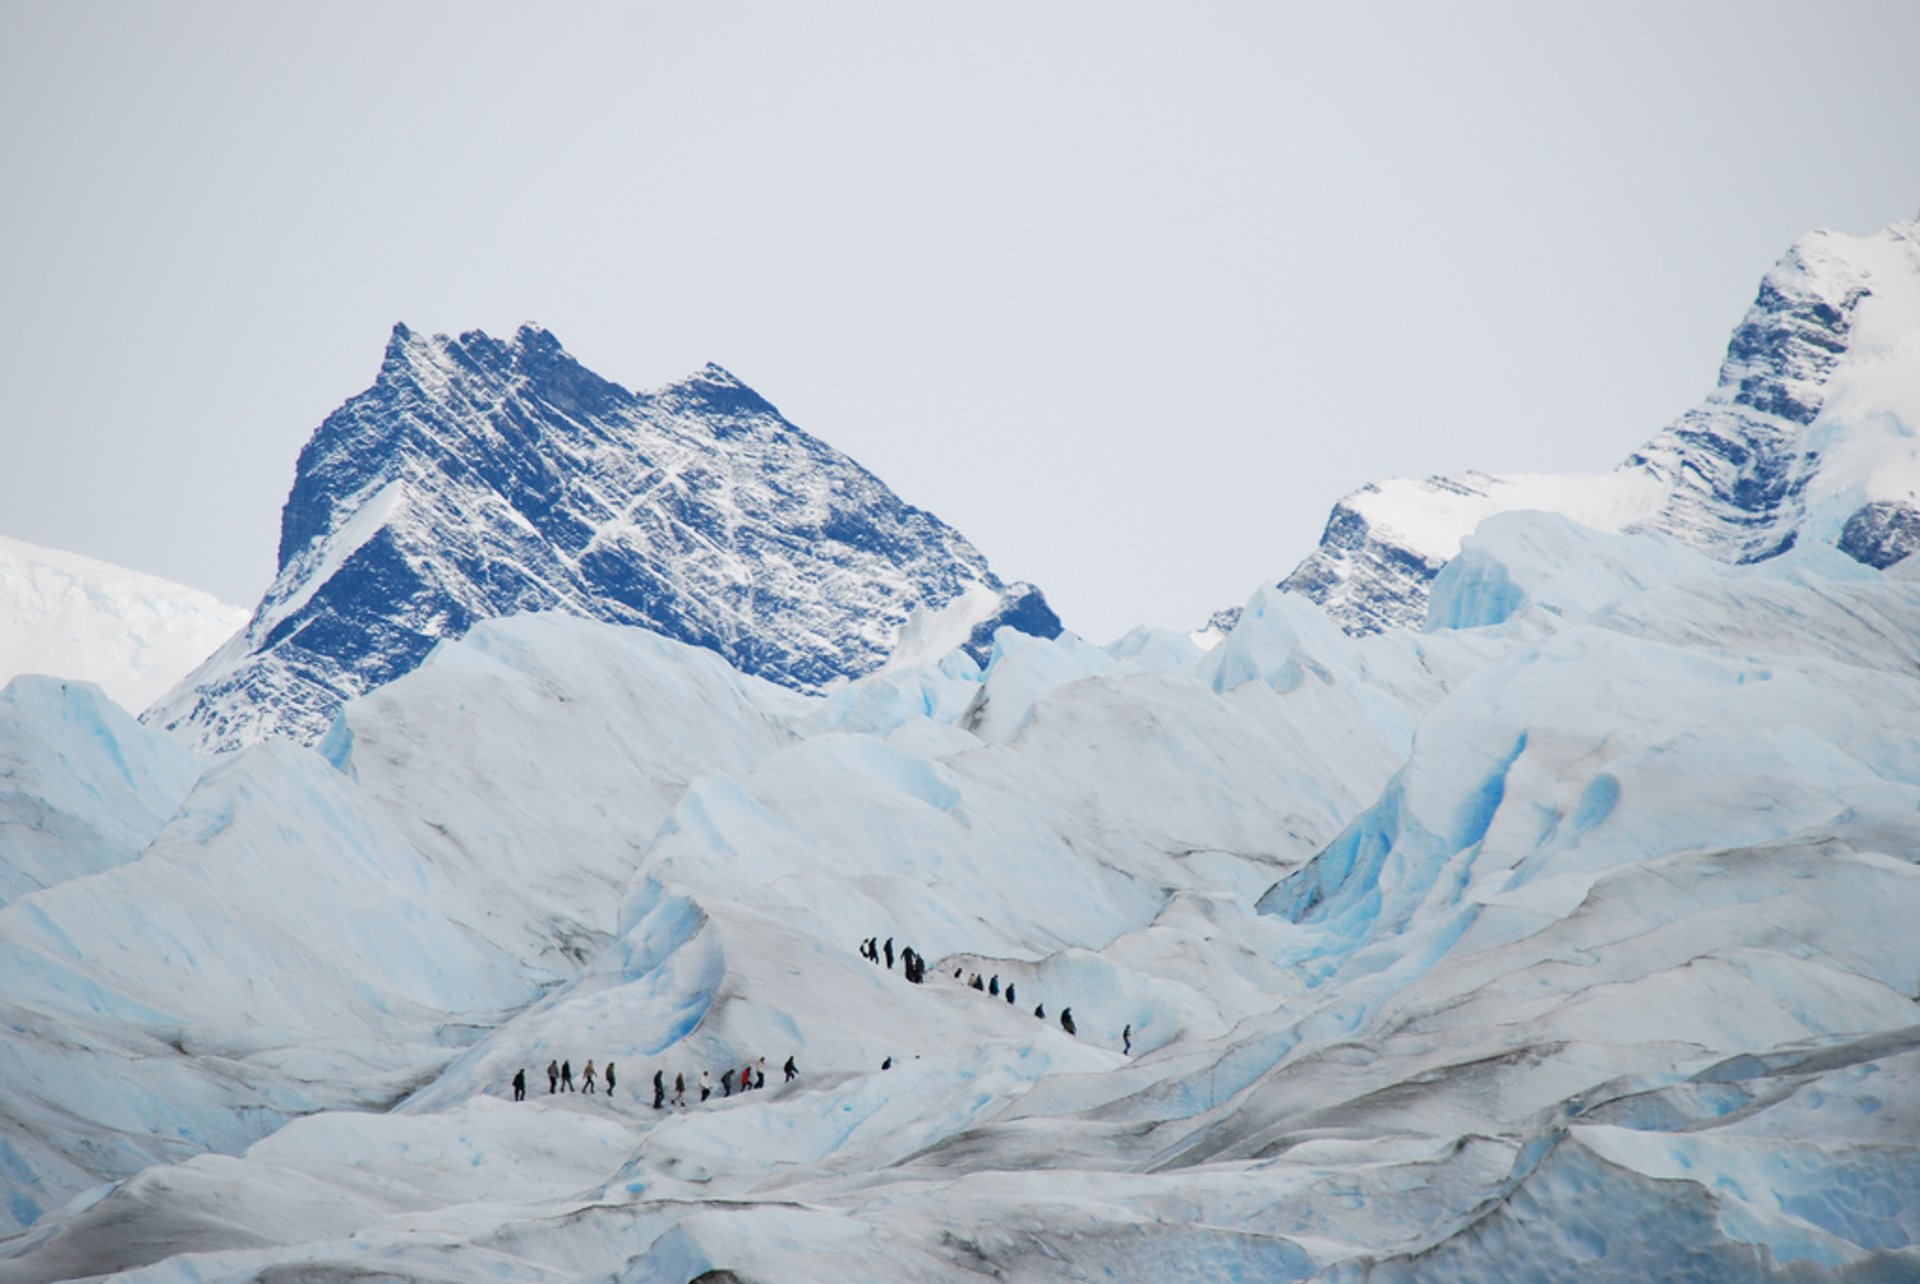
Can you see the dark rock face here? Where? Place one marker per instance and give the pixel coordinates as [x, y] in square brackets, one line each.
[1369, 585]
[478, 478]
[1881, 533]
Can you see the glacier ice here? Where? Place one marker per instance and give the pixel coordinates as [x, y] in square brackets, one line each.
[1569, 935]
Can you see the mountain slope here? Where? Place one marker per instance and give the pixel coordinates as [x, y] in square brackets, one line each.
[1810, 434]
[73, 617]
[479, 478]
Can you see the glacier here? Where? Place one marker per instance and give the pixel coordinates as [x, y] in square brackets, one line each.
[1570, 933]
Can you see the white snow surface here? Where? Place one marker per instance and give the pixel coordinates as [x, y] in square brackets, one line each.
[133, 635]
[1570, 938]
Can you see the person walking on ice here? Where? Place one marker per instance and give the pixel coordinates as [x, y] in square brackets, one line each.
[726, 1082]
[659, 1088]
[679, 1088]
[792, 1071]
[586, 1078]
[553, 1077]
[1066, 1020]
[566, 1076]
[706, 1086]
[520, 1084]
[609, 1078]
[1126, 1040]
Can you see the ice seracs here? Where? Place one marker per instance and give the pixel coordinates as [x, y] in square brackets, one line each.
[1569, 935]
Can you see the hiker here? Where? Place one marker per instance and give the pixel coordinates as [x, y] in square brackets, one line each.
[553, 1077]
[1126, 1040]
[792, 1072]
[609, 1078]
[976, 983]
[566, 1075]
[1066, 1020]
[706, 1086]
[746, 1077]
[956, 974]
[587, 1078]
[760, 1074]
[993, 986]
[520, 1084]
[726, 1082]
[1009, 993]
[659, 1088]
[1040, 1010]
[887, 1064]
[889, 952]
[863, 946]
[679, 1088]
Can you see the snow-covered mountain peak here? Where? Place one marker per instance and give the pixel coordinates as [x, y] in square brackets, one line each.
[72, 616]
[479, 477]
[1809, 433]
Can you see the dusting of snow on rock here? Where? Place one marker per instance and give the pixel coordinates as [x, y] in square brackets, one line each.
[1810, 434]
[133, 635]
[479, 478]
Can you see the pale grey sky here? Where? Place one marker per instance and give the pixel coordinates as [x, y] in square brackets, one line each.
[1128, 293]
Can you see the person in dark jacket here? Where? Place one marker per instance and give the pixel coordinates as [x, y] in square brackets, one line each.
[659, 1088]
[679, 1088]
[888, 948]
[1040, 1010]
[993, 986]
[520, 1084]
[1066, 1020]
[726, 1082]
[566, 1076]
[792, 1071]
[1126, 1040]
[609, 1078]
[1009, 992]
[553, 1077]
[887, 1064]
[976, 982]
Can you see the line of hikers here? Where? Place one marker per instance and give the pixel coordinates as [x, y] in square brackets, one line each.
[752, 1075]
[915, 967]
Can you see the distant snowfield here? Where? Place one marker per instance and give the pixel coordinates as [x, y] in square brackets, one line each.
[131, 634]
[1572, 937]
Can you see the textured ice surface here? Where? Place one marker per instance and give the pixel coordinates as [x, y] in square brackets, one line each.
[1575, 941]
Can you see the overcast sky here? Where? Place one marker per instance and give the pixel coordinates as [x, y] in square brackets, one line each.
[1129, 294]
